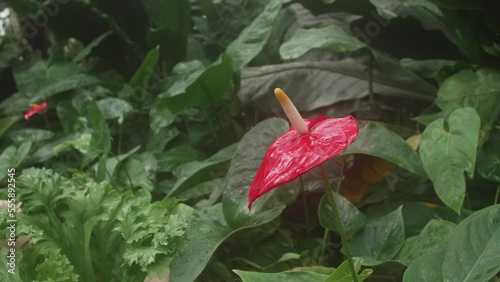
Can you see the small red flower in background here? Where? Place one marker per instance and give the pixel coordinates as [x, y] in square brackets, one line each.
[308, 144]
[34, 109]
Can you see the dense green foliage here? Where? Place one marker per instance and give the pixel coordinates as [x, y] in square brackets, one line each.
[160, 113]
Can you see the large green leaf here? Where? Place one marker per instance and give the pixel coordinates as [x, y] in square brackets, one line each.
[252, 39]
[30, 135]
[7, 122]
[376, 140]
[315, 84]
[207, 231]
[112, 108]
[196, 172]
[172, 159]
[433, 233]
[244, 165]
[470, 253]
[350, 217]
[479, 90]
[292, 276]
[380, 240]
[332, 38]
[343, 272]
[488, 162]
[41, 80]
[195, 86]
[447, 152]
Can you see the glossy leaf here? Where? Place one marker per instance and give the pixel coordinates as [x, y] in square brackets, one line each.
[378, 141]
[30, 135]
[294, 154]
[433, 233]
[318, 84]
[141, 77]
[292, 276]
[42, 81]
[470, 253]
[172, 159]
[196, 172]
[479, 90]
[245, 163]
[332, 38]
[488, 162]
[252, 39]
[351, 218]
[112, 108]
[195, 86]
[380, 240]
[447, 152]
[343, 272]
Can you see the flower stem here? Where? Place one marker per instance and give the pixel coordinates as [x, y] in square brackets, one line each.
[497, 194]
[343, 237]
[322, 258]
[47, 123]
[304, 203]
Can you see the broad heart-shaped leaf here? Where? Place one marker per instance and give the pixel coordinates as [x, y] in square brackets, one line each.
[332, 38]
[40, 81]
[196, 172]
[244, 165]
[252, 39]
[447, 152]
[351, 218]
[289, 276]
[195, 86]
[380, 240]
[112, 108]
[316, 84]
[488, 161]
[375, 140]
[470, 253]
[433, 233]
[343, 272]
[293, 153]
[479, 90]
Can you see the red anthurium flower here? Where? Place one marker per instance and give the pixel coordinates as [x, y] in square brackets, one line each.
[34, 109]
[307, 144]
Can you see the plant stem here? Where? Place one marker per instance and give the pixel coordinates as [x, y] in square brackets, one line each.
[120, 132]
[304, 203]
[322, 258]
[497, 194]
[47, 122]
[343, 237]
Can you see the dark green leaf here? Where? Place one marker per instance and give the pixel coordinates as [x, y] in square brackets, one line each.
[195, 86]
[30, 135]
[7, 122]
[380, 240]
[479, 90]
[41, 80]
[449, 151]
[376, 140]
[350, 217]
[304, 82]
[470, 253]
[131, 174]
[13, 157]
[332, 38]
[252, 38]
[112, 108]
[433, 233]
[292, 276]
[172, 159]
[100, 143]
[88, 49]
[488, 162]
[143, 74]
[196, 172]
[343, 272]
